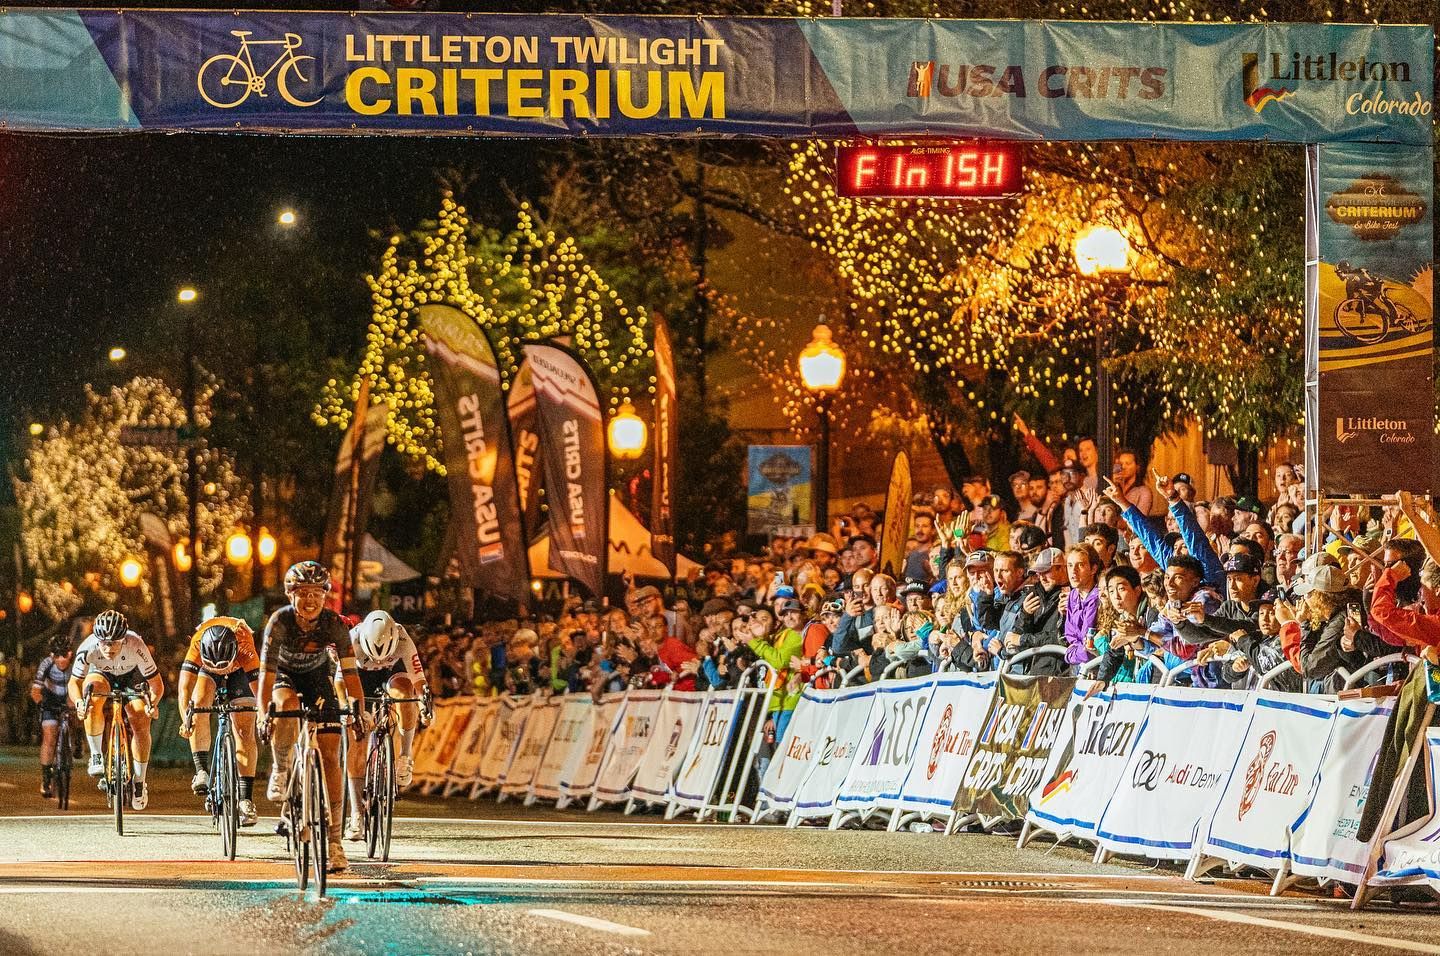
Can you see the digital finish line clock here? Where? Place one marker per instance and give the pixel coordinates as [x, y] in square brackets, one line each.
[931, 171]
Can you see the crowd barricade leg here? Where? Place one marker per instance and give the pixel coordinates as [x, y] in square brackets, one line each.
[1383, 830]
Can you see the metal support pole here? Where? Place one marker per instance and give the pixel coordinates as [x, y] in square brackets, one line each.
[192, 468]
[1104, 444]
[822, 467]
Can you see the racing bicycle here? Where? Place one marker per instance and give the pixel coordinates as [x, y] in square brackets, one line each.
[1368, 318]
[117, 781]
[64, 759]
[223, 798]
[378, 794]
[304, 809]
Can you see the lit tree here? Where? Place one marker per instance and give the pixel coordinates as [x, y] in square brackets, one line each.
[83, 493]
[529, 285]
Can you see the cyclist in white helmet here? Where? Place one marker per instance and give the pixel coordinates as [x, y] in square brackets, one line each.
[388, 665]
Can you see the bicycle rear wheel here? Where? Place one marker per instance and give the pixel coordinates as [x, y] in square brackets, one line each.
[386, 795]
[224, 791]
[317, 824]
[295, 832]
[119, 763]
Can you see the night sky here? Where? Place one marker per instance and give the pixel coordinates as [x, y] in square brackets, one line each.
[97, 233]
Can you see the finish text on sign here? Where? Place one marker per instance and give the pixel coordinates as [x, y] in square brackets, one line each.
[941, 171]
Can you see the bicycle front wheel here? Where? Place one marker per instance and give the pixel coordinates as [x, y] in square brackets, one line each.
[119, 762]
[1365, 325]
[64, 763]
[295, 832]
[317, 822]
[371, 795]
[386, 814]
[224, 791]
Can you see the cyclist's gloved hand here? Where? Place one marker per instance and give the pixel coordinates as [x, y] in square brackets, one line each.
[262, 726]
[82, 707]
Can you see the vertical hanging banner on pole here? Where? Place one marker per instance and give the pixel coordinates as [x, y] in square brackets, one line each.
[572, 447]
[525, 429]
[356, 467]
[667, 448]
[1369, 319]
[470, 408]
[897, 517]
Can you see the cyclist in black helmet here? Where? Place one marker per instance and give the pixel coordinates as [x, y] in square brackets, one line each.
[48, 693]
[221, 654]
[295, 667]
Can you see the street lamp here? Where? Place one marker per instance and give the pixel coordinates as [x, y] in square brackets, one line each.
[130, 571]
[117, 354]
[1103, 253]
[239, 549]
[36, 429]
[627, 433]
[822, 366]
[286, 217]
[266, 547]
[187, 296]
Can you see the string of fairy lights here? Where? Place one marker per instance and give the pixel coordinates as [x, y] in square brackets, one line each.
[84, 492]
[982, 303]
[526, 286]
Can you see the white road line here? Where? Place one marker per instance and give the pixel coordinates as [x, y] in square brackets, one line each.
[1326, 932]
[590, 922]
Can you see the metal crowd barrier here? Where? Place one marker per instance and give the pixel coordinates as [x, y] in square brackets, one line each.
[1051, 650]
[1388, 661]
[741, 758]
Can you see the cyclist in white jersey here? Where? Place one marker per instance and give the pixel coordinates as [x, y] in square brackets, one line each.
[388, 664]
[114, 657]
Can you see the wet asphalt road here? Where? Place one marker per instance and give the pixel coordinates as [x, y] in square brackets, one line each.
[485, 878]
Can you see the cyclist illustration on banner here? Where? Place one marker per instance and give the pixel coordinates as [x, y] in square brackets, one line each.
[227, 79]
[1367, 313]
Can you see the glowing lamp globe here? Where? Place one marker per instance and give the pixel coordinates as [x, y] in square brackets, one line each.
[1101, 250]
[130, 571]
[182, 558]
[266, 547]
[238, 549]
[822, 363]
[186, 294]
[24, 603]
[627, 433]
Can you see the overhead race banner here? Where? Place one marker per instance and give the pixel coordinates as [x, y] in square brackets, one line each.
[563, 75]
[1324, 844]
[1025, 718]
[1176, 773]
[572, 447]
[470, 409]
[897, 517]
[525, 430]
[633, 730]
[1273, 780]
[947, 739]
[1370, 319]
[667, 449]
[1084, 771]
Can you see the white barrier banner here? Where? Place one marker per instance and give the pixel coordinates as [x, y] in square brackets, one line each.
[533, 743]
[946, 740]
[798, 751]
[427, 768]
[1323, 844]
[577, 778]
[887, 743]
[707, 750]
[501, 749]
[1089, 760]
[669, 744]
[1412, 857]
[1273, 780]
[633, 731]
[1176, 773]
[572, 733]
[466, 766]
[849, 715]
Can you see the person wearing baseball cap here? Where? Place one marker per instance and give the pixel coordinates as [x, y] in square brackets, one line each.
[1315, 637]
[1040, 621]
[1238, 612]
[1046, 560]
[994, 523]
[1184, 484]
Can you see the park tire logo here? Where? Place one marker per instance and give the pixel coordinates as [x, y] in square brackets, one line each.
[937, 746]
[227, 80]
[1258, 97]
[1255, 774]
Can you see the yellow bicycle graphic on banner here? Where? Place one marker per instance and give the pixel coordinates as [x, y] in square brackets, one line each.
[227, 79]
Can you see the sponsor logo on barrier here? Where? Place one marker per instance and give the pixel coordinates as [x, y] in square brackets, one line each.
[1108, 738]
[833, 750]
[1056, 787]
[958, 743]
[1195, 776]
[799, 750]
[893, 748]
[1146, 775]
[673, 744]
[1255, 774]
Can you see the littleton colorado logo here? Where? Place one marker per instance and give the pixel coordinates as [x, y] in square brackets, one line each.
[1258, 97]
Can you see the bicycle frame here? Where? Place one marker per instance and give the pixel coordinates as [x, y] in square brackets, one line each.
[223, 798]
[307, 796]
[378, 793]
[119, 739]
[290, 43]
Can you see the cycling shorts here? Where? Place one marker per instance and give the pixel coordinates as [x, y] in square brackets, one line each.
[314, 687]
[374, 681]
[130, 680]
[236, 686]
[52, 708]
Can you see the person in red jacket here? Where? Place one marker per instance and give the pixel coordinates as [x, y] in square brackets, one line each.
[1411, 624]
[680, 658]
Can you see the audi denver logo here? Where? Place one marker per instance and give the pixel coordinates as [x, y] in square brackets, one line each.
[1148, 768]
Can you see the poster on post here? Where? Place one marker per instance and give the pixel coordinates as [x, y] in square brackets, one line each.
[1323, 842]
[947, 738]
[887, 743]
[1026, 717]
[778, 487]
[669, 743]
[1273, 780]
[1084, 770]
[1176, 773]
[634, 726]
